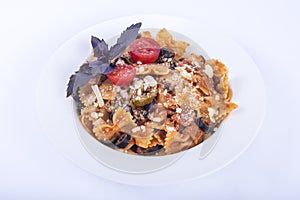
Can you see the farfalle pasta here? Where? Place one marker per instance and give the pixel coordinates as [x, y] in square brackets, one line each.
[162, 103]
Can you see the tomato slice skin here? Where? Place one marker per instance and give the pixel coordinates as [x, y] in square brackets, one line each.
[122, 75]
[145, 50]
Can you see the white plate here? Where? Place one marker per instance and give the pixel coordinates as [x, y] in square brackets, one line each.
[238, 131]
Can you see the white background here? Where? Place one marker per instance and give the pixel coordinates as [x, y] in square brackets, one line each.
[31, 168]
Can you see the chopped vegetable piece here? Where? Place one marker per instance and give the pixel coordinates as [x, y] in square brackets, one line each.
[122, 75]
[145, 50]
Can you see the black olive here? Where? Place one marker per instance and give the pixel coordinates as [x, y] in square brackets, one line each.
[128, 108]
[202, 125]
[145, 113]
[150, 105]
[172, 66]
[169, 115]
[164, 55]
[127, 59]
[111, 114]
[148, 151]
[123, 140]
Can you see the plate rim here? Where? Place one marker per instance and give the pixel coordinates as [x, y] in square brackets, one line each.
[181, 19]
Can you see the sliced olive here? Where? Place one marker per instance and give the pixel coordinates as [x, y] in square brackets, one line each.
[111, 114]
[148, 151]
[128, 108]
[202, 125]
[165, 55]
[123, 140]
[150, 105]
[172, 65]
[127, 59]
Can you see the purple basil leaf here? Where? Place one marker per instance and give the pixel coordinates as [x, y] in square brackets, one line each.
[100, 48]
[80, 80]
[109, 69]
[102, 65]
[126, 38]
[71, 85]
[98, 67]
[85, 69]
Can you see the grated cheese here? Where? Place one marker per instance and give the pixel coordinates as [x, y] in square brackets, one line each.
[156, 119]
[97, 92]
[178, 110]
[136, 129]
[170, 129]
[209, 71]
[211, 113]
[149, 81]
[165, 92]
[94, 115]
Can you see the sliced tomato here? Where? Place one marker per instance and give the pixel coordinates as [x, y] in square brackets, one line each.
[145, 50]
[122, 75]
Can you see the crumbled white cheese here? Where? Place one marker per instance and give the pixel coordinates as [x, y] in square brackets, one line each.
[178, 110]
[94, 115]
[150, 81]
[175, 77]
[137, 84]
[165, 92]
[170, 128]
[156, 119]
[143, 128]
[136, 129]
[217, 97]
[186, 74]
[139, 92]
[124, 94]
[139, 62]
[97, 92]
[209, 71]
[211, 113]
